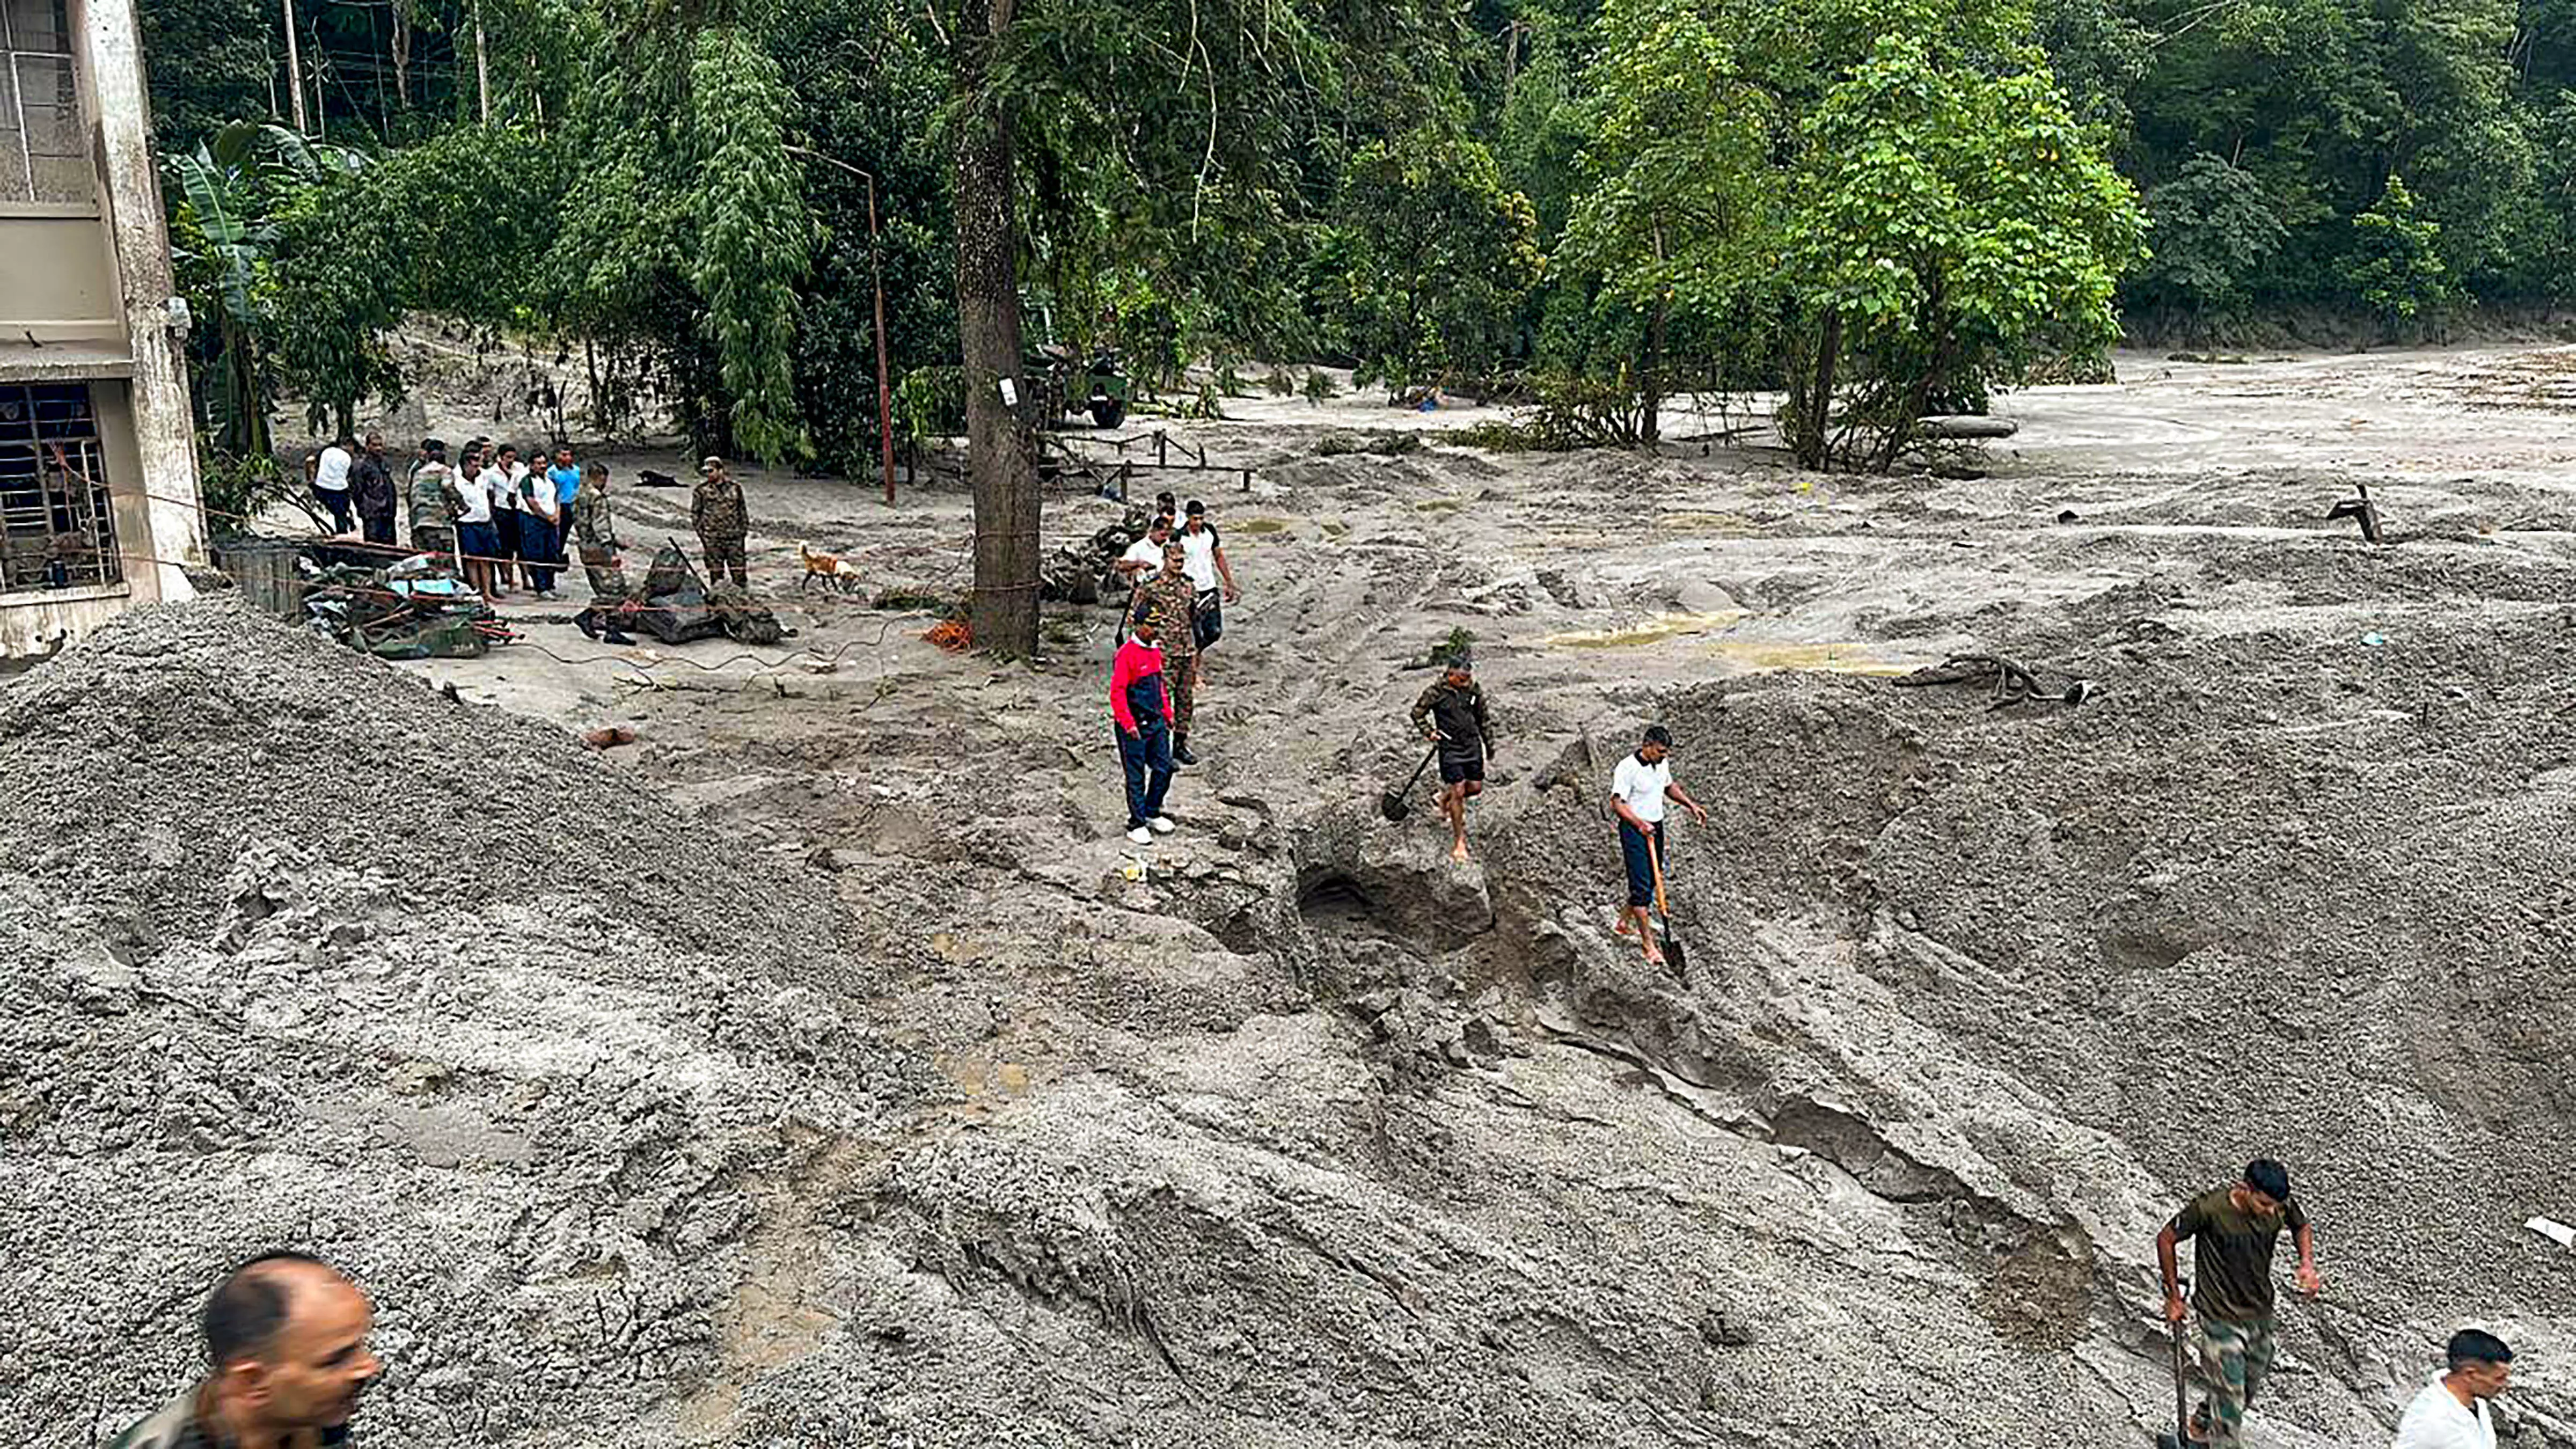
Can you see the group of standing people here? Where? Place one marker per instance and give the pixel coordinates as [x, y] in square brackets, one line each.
[510, 520]
[1180, 582]
[506, 519]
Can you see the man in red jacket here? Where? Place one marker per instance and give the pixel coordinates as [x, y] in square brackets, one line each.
[1138, 702]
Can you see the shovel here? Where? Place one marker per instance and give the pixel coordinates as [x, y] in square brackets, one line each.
[1392, 804]
[2182, 1397]
[1673, 955]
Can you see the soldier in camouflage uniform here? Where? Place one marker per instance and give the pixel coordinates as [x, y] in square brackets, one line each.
[594, 531]
[1168, 599]
[434, 502]
[722, 520]
[286, 1344]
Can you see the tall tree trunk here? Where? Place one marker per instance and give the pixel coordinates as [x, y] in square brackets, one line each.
[482, 72]
[295, 69]
[1650, 420]
[1003, 612]
[402, 55]
[1650, 373]
[1816, 431]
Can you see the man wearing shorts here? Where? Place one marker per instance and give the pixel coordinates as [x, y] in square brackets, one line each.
[1639, 789]
[1451, 714]
[2236, 1229]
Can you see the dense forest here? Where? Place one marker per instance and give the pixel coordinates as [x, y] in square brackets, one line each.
[1875, 209]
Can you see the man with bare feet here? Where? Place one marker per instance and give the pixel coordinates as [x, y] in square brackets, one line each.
[1451, 714]
[1639, 789]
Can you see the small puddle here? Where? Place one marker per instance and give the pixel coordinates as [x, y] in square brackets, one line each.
[1839, 656]
[1653, 631]
[1259, 525]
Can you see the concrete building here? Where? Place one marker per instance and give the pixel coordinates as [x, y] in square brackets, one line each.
[98, 470]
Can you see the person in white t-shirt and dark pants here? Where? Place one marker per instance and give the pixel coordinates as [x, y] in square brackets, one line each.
[1204, 554]
[331, 483]
[1639, 789]
[2452, 1411]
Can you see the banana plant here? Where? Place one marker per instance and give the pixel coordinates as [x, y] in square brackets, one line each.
[226, 195]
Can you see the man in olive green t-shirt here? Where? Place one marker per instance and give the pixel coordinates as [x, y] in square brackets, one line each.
[2236, 1229]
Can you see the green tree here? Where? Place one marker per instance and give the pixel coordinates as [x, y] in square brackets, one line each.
[2214, 227]
[228, 195]
[208, 63]
[2396, 266]
[1950, 222]
[1684, 178]
[1163, 137]
[1438, 255]
[437, 227]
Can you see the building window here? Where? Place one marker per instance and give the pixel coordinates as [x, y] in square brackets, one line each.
[44, 142]
[57, 526]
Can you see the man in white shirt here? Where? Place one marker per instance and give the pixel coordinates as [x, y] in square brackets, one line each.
[477, 542]
[2451, 1412]
[1142, 560]
[331, 483]
[1638, 790]
[501, 480]
[1145, 555]
[1203, 557]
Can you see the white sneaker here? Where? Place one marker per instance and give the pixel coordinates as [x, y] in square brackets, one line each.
[1141, 835]
[1164, 824]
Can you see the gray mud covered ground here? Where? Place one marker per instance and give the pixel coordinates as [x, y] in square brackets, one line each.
[826, 1069]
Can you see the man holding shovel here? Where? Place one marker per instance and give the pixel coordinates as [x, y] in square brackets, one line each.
[1451, 715]
[1638, 790]
[2237, 1228]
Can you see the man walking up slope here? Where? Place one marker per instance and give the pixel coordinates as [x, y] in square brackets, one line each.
[1137, 702]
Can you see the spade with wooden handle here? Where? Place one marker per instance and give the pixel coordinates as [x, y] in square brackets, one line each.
[1673, 955]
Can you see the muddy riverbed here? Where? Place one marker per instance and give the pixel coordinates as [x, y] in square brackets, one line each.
[827, 1068]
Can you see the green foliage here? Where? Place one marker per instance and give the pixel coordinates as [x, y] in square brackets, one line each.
[852, 123]
[1425, 274]
[2214, 227]
[228, 196]
[2318, 102]
[930, 402]
[1682, 169]
[2397, 259]
[1949, 210]
[225, 72]
[753, 241]
[237, 488]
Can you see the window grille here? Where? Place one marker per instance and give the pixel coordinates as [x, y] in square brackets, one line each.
[44, 138]
[57, 524]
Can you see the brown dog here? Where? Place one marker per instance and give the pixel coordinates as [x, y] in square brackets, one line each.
[832, 569]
